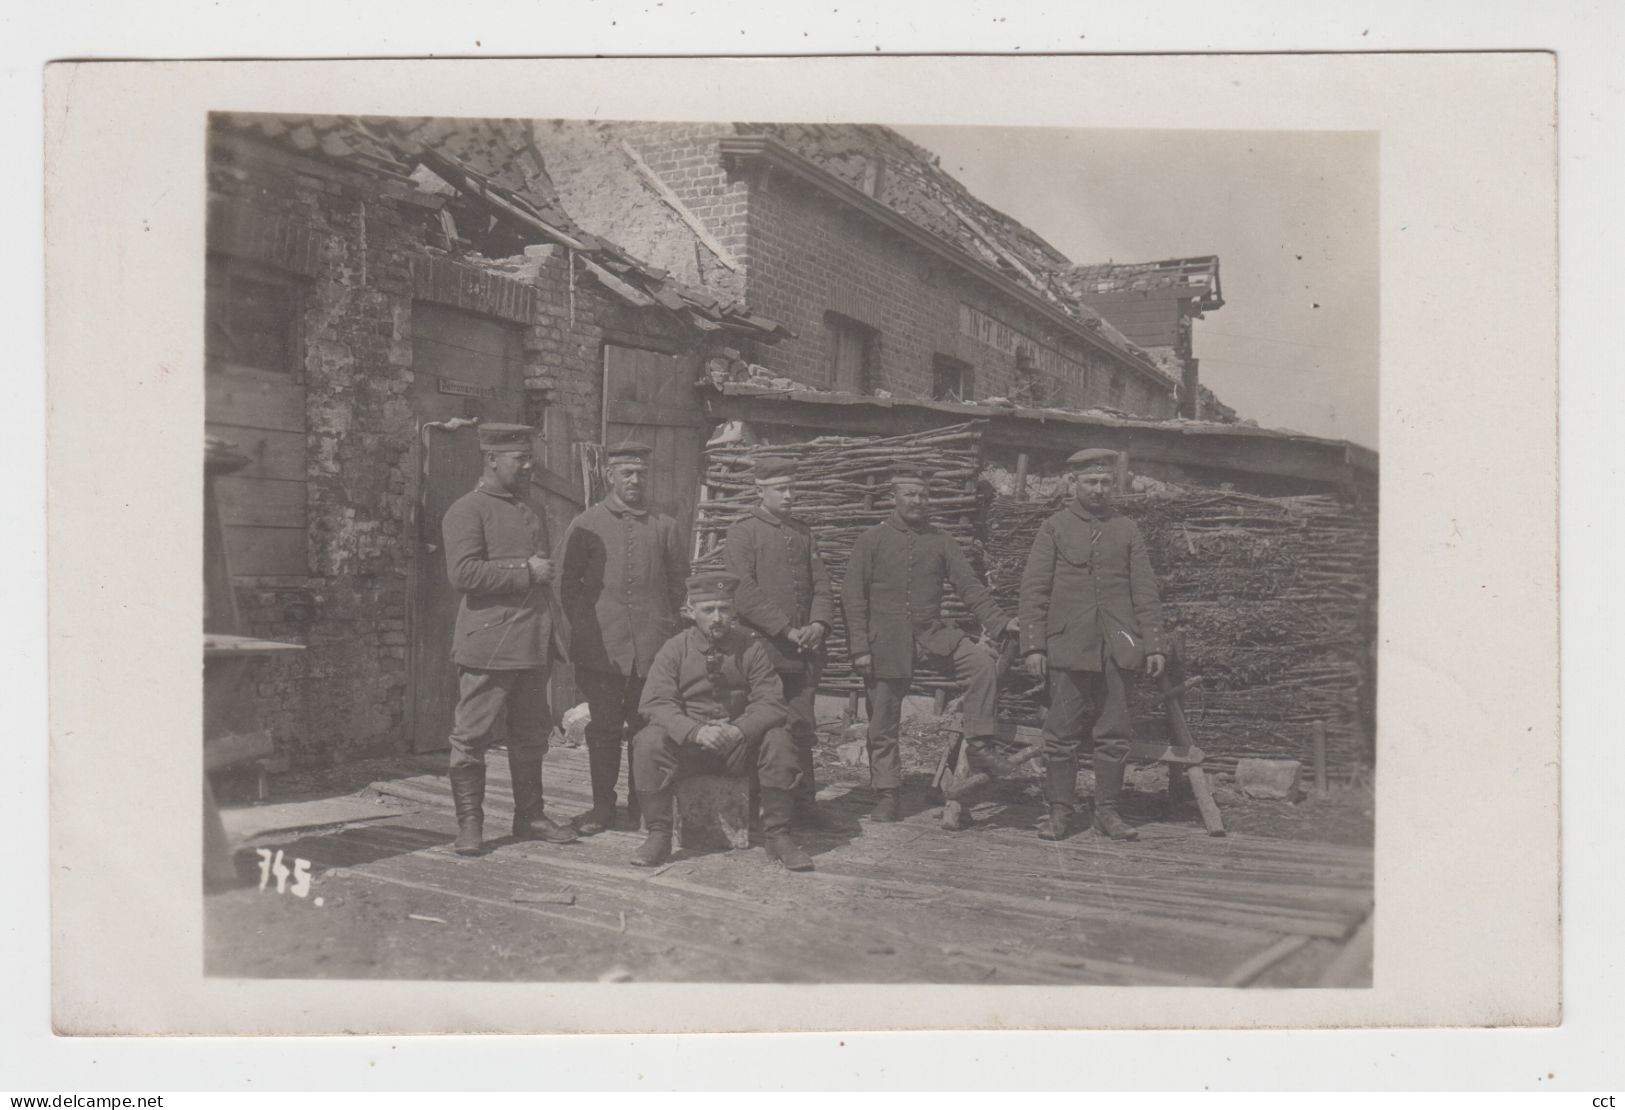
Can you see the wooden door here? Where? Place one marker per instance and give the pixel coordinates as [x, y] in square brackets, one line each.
[463, 367]
[650, 397]
[450, 466]
[466, 367]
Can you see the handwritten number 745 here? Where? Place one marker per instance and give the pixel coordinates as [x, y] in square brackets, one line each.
[271, 866]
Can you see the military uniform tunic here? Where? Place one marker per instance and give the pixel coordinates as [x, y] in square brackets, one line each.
[622, 583]
[1088, 592]
[694, 682]
[783, 584]
[503, 621]
[892, 597]
[505, 636]
[623, 578]
[1089, 601]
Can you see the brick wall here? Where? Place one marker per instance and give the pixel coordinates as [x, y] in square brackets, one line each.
[808, 256]
[684, 155]
[360, 249]
[805, 255]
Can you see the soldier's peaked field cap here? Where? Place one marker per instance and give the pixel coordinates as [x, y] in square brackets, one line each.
[772, 468]
[628, 451]
[1092, 458]
[505, 437]
[713, 586]
[911, 472]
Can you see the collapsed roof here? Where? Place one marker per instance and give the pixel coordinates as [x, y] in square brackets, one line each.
[495, 169]
[910, 180]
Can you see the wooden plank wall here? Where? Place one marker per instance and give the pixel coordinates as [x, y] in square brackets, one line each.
[650, 397]
[262, 506]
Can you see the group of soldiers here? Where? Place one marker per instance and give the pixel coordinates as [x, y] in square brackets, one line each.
[734, 692]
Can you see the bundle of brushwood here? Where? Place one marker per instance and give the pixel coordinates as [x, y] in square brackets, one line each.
[842, 488]
[1275, 598]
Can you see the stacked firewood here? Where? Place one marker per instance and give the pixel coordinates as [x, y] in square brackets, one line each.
[1274, 599]
[842, 488]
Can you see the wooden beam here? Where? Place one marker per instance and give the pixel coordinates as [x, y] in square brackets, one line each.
[615, 285]
[1205, 803]
[675, 203]
[556, 484]
[1255, 966]
[1241, 452]
[649, 412]
[1148, 752]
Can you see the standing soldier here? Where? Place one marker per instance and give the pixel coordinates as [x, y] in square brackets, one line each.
[714, 704]
[505, 639]
[893, 602]
[1090, 615]
[784, 597]
[621, 583]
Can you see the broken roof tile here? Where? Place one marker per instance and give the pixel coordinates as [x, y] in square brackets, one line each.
[910, 180]
[496, 165]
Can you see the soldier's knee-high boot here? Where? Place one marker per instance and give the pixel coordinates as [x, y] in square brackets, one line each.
[778, 807]
[529, 820]
[604, 766]
[888, 808]
[656, 847]
[468, 798]
[1108, 789]
[807, 813]
[1060, 792]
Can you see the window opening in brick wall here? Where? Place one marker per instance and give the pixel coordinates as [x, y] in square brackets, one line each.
[1118, 386]
[851, 353]
[952, 379]
[255, 399]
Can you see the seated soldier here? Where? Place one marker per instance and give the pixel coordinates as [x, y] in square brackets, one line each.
[715, 706]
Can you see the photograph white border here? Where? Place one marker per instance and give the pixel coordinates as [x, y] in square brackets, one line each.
[124, 364]
[1587, 40]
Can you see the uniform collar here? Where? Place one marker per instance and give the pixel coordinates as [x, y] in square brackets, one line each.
[762, 514]
[1084, 514]
[902, 525]
[483, 488]
[620, 508]
[701, 643]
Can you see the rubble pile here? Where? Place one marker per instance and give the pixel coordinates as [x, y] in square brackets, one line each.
[1275, 598]
[842, 488]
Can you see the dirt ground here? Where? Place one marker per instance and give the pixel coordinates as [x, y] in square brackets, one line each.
[1343, 815]
[354, 924]
[363, 929]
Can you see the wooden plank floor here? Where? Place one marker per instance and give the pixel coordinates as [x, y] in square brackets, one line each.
[887, 903]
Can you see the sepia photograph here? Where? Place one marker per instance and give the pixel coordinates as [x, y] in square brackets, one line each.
[789, 552]
[794, 545]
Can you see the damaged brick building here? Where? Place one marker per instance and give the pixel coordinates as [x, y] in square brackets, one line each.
[371, 287]
[895, 278]
[374, 286]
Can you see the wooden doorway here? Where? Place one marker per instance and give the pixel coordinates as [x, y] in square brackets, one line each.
[650, 397]
[464, 367]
